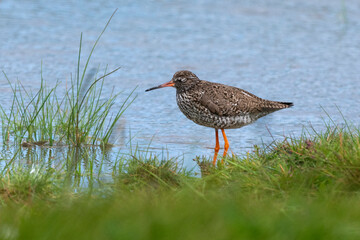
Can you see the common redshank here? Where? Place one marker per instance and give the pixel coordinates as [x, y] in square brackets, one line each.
[217, 105]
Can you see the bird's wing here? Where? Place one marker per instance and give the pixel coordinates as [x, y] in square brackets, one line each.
[229, 101]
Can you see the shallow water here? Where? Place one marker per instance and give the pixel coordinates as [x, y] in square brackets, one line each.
[305, 51]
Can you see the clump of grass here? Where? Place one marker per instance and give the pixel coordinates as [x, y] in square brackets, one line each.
[26, 184]
[324, 162]
[79, 117]
[151, 172]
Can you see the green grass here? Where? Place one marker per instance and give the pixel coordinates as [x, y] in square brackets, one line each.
[80, 116]
[140, 216]
[299, 188]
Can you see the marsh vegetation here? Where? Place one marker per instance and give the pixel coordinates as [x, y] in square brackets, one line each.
[296, 188]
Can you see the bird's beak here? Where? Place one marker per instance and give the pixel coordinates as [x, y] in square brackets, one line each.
[168, 84]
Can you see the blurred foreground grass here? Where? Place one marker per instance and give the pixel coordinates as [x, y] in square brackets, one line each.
[305, 188]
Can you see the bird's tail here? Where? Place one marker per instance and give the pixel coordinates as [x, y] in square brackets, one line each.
[287, 104]
[273, 105]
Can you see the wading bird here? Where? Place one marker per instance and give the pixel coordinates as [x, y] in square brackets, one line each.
[217, 105]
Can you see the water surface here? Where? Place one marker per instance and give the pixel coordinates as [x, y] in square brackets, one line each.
[306, 52]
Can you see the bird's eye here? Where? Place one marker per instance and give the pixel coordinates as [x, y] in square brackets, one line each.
[182, 79]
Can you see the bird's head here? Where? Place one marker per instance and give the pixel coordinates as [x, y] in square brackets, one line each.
[182, 80]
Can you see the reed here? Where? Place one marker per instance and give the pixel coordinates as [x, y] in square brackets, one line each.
[80, 116]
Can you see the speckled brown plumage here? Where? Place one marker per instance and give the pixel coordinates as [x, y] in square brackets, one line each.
[217, 105]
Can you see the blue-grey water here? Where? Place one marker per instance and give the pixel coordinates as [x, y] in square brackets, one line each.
[306, 52]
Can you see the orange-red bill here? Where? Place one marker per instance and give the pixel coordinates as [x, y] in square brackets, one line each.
[168, 84]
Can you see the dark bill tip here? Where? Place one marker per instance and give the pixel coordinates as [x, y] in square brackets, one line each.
[153, 88]
[168, 84]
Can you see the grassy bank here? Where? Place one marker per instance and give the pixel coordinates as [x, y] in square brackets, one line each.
[306, 188]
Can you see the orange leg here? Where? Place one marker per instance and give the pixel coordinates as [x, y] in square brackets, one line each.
[217, 146]
[226, 146]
